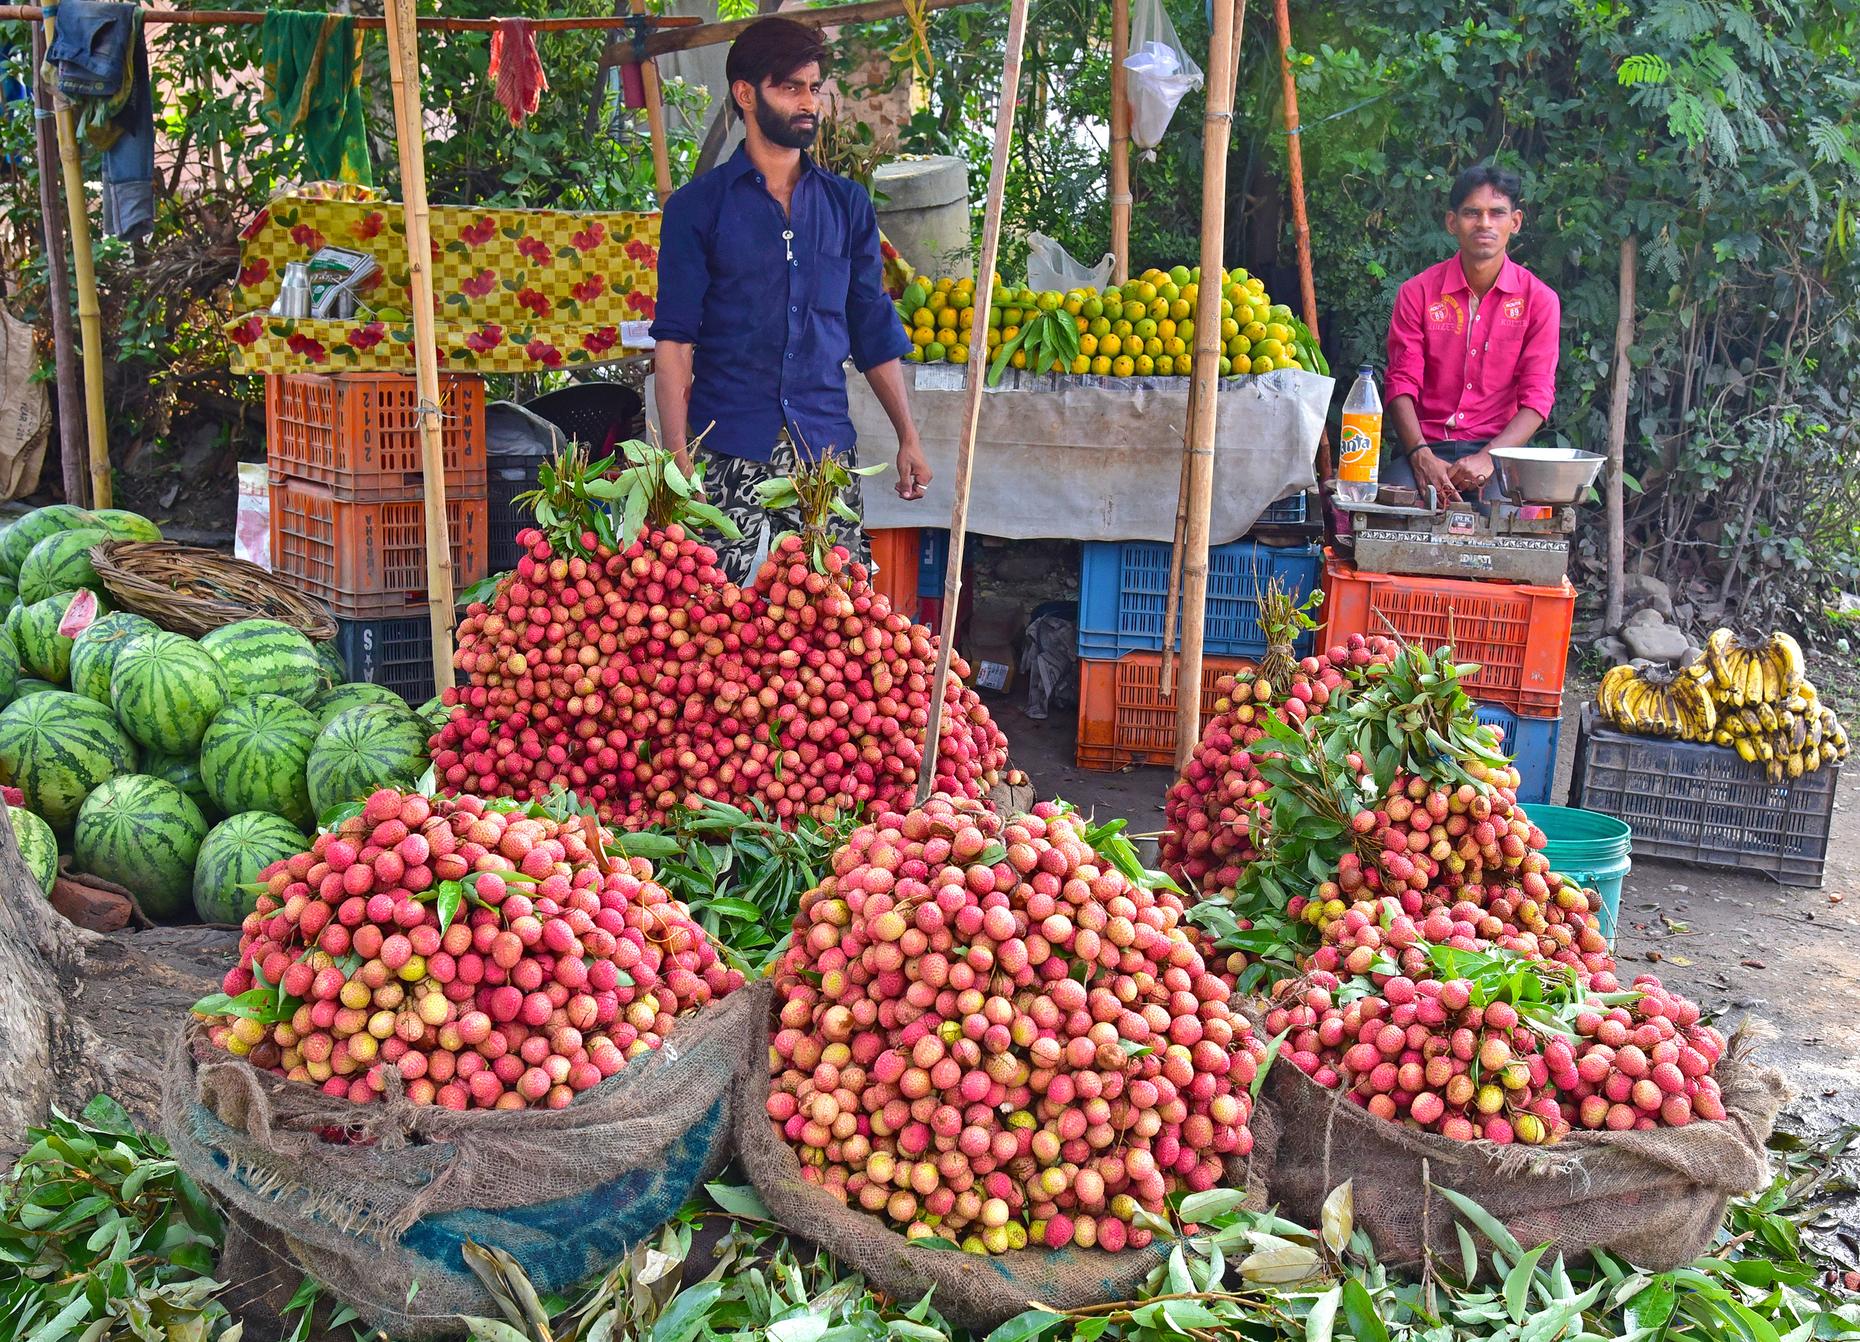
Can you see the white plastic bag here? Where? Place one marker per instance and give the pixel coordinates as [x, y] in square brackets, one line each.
[1161, 73]
[252, 518]
[1050, 268]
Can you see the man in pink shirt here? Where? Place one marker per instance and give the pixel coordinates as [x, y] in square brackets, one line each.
[1472, 347]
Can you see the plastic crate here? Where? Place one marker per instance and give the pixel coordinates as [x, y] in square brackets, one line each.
[1124, 717]
[932, 561]
[368, 559]
[396, 654]
[894, 551]
[505, 478]
[1517, 634]
[359, 433]
[1285, 513]
[1124, 588]
[1705, 804]
[1532, 744]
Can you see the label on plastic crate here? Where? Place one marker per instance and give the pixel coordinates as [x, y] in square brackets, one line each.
[992, 675]
[941, 377]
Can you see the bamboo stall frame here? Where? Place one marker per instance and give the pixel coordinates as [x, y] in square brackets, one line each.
[67, 381]
[972, 409]
[1120, 141]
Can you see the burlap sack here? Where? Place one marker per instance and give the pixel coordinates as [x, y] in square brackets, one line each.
[566, 1192]
[972, 1290]
[1654, 1198]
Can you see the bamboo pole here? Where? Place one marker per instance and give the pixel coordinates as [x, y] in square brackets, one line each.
[829, 16]
[1617, 437]
[978, 365]
[1120, 140]
[410, 133]
[90, 317]
[221, 18]
[1216, 134]
[1295, 166]
[66, 376]
[655, 120]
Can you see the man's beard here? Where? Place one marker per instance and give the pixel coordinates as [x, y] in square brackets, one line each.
[782, 131]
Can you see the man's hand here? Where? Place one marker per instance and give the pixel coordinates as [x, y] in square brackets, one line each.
[1470, 473]
[1431, 470]
[913, 470]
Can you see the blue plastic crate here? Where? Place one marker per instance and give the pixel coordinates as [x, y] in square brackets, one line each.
[1532, 744]
[1124, 587]
[932, 560]
[1286, 512]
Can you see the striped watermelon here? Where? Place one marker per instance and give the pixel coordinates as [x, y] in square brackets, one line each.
[123, 525]
[235, 851]
[253, 756]
[355, 694]
[330, 667]
[166, 689]
[42, 649]
[60, 563]
[9, 669]
[264, 657]
[93, 652]
[37, 845]
[184, 772]
[33, 685]
[34, 527]
[363, 749]
[55, 747]
[144, 835]
[9, 593]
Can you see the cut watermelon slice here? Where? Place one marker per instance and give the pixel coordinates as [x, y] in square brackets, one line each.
[80, 614]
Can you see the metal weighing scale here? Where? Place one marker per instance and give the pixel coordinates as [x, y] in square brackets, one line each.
[1523, 537]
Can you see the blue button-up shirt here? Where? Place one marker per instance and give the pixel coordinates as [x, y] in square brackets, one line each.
[773, 317]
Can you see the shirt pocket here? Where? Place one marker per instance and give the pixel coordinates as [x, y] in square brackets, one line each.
[832, 278]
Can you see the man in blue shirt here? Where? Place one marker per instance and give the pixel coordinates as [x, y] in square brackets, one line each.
[769, 279]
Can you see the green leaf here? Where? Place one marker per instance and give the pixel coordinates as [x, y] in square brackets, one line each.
[1366, 1325]
[738, 1200]
[1182, 1315]
[1024, 1327]
[683, 1319]
[713, 518]
[451, 895]
[1205, 1206]
[1321, 1322]
[1518, 1283]
[1483, 1221]
[335, 815]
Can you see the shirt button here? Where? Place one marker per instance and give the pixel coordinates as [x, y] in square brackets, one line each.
[794, 309]
[1469, 386]
[790, 354]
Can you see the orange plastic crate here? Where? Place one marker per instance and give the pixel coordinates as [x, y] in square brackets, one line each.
[1517, 634]
[359, 433]
[369, 558]
[1124, 717]
[894, 550]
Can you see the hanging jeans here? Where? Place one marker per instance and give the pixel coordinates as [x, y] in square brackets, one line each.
[95, 48]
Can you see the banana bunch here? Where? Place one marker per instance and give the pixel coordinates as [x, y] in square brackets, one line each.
[1751, 671]
[1660, 702]
[1795, 739]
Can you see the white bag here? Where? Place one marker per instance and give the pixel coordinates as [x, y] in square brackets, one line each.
[252, 520]
[1161, 73]
[1050, 268]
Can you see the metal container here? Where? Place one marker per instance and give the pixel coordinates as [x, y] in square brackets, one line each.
[293, 298]
[1545, 474]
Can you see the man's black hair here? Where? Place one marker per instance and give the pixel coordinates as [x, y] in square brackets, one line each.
[772, 48]
[1502, 180]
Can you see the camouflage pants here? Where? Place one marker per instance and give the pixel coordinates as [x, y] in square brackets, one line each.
[730, 486]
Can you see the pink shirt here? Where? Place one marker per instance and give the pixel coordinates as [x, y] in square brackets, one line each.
[1469, 367]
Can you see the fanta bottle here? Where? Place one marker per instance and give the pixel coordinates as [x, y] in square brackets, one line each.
[1360, 465]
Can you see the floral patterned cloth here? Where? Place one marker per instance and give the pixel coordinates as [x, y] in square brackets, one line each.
[515, 291]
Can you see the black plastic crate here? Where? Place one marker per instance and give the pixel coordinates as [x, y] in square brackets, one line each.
[396, 654]
[1705, 804]
[505, 478]
[1286, 512]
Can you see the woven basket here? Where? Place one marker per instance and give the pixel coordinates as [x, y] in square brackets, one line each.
[191, 590]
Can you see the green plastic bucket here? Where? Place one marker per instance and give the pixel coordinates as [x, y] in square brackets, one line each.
[1590, 848]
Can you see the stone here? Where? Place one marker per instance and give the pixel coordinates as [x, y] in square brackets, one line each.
[1644, 616]
[1612, 650]
[1645, 585]
[88, 906]
[1656, 642]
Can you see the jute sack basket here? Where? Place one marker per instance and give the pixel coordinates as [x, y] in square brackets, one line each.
[1654, 1198]
[381, 1219]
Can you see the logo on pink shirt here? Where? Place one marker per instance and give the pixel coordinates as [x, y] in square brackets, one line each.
[1447, 312]
[1514, 308]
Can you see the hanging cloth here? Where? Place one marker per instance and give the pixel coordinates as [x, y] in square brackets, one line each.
[97, 62]
[313, 83]
[517, 68]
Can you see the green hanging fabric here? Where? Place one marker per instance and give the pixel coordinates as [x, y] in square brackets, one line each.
[313, 82]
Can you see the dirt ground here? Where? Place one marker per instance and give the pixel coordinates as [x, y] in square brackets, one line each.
[1781, 962]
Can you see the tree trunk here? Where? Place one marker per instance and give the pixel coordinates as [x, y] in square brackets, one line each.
[82, 1013]
[1617, 439]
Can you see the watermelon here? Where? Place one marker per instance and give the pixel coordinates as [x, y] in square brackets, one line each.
[166, 690]
[60, 563]
[123, 525]
[34, 527]
[37, 845]
[144, 835]
[93, 652]
[32, 685]
[42, 648]
[332, 670]
[253, 756]
[184, 772]
[9, 593]
[9, 670]
[354, 694]
[56, 746]
[265, 657]
[235, 851]
[434, 712]
[363, 749]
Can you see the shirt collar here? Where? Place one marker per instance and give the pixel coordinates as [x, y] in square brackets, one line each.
[1510, 277]
[739, 164]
